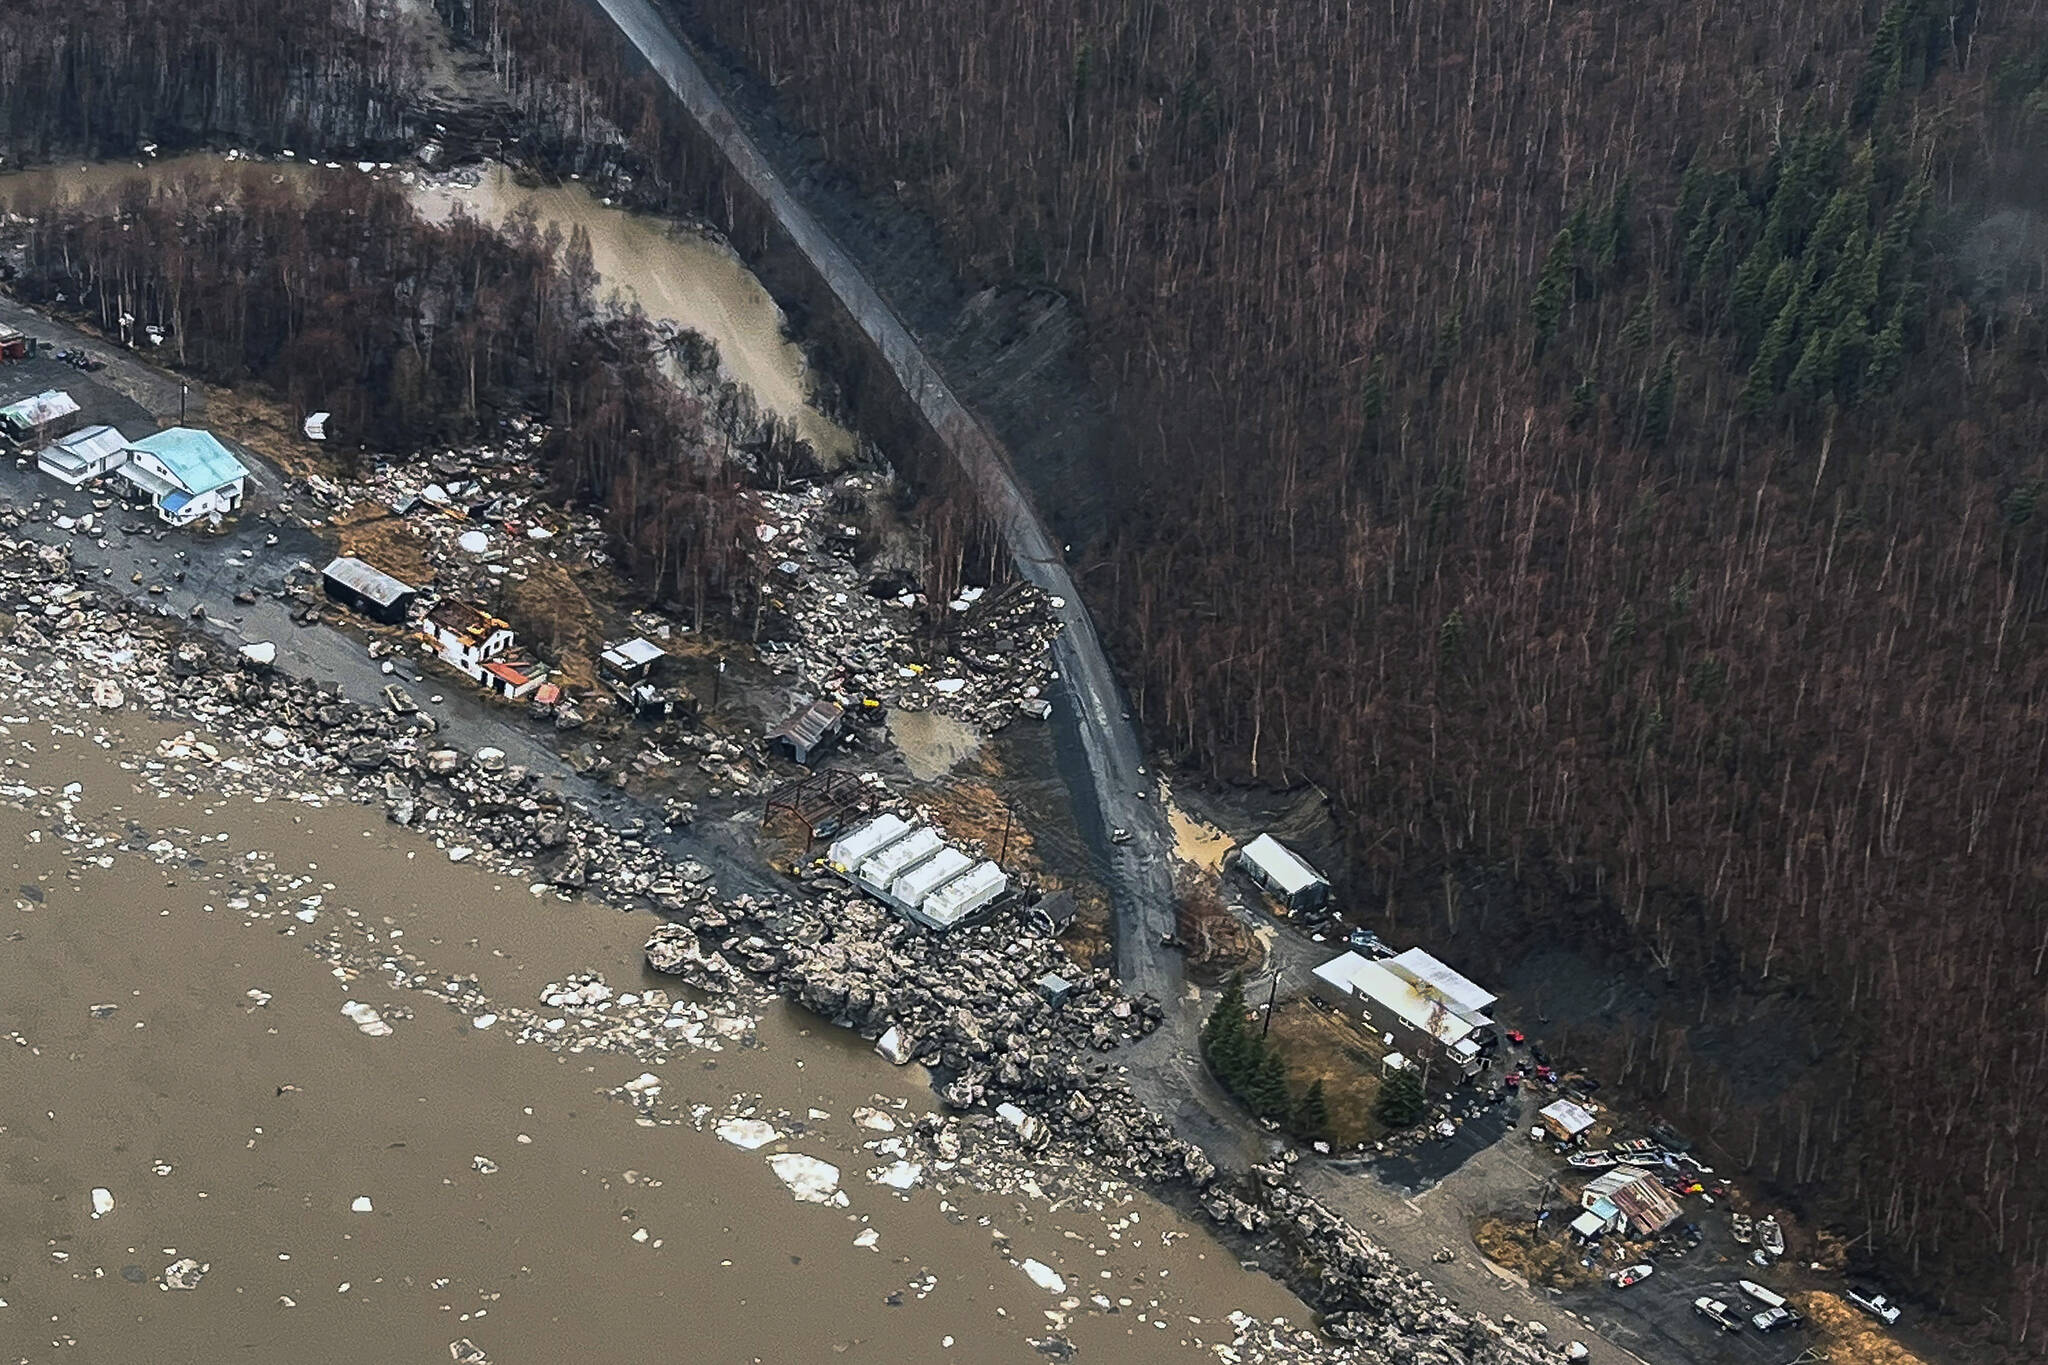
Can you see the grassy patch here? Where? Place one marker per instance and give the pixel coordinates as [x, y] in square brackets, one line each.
[1852, 1334]
[1547, 1260]
[1316, 1044]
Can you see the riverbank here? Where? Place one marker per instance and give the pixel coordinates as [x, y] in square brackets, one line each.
[269, 738]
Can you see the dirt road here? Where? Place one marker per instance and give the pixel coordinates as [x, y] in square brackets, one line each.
[1137, 874]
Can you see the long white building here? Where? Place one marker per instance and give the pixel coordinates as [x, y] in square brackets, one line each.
[914, 871]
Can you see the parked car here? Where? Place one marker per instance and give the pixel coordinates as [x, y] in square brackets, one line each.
[1877, 1305]
[1631, 1274]
[1366, 941]
[1771, 1319]
[1716, 1312]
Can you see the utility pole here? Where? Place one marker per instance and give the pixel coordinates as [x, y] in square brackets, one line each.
[1005, 854]
[715, 679]
[1272, 998]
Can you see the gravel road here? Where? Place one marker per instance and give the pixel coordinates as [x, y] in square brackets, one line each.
[1136, 872]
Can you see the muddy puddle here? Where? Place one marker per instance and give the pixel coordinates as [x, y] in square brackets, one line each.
[670, 272]
[1195, 840]
[932, 744]
[298, 1059]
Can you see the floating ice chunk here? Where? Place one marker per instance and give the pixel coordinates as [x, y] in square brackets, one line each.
[748, 1134]
[812, 1181]
[902, 1175]
[646, 1083]
[184, 1273]
[361, 1204]
[867, 1238]
[102, 1202]
[1045, 1277]
[484, 1165]
[483, 1021]
[869, 1117]
[366, 1019]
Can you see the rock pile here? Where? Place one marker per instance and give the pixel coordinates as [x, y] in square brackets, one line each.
[964, 1004]
[856, 634]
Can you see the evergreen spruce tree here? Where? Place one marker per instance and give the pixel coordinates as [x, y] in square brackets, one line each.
[1636, 331]
[1658, 400]
[1312, 1115]
[1553, 289]
[1224, 1036]
[1401, 1103]
[1266, 1086]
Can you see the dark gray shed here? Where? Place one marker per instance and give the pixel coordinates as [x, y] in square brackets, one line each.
[372, 592]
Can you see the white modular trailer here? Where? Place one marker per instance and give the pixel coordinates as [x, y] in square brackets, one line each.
[964, 895]
[855, 848]
[910, 889]
[880, 871]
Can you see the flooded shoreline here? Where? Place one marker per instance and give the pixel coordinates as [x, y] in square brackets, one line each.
[669, 271]
[176, 972]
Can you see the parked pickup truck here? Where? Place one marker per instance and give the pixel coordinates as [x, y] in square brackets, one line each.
[1716, 1312]
[1877, 1305]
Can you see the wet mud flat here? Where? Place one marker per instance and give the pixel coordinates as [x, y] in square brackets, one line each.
[311, 1067]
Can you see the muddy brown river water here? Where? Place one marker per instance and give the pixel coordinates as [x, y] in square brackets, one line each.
[175, 966]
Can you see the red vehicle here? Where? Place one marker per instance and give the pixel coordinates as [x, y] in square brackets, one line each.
[1512, 1080]
[1516, 1037]
[1547, 1075]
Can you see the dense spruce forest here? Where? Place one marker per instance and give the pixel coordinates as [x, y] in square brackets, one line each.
[1601, 444]
[101, 78]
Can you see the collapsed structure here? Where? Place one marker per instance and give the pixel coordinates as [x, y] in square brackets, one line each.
[477, 643]
[913, 871]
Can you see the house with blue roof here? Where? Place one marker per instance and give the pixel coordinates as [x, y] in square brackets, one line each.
[187, 474]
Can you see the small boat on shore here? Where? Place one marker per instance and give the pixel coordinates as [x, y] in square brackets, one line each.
[1743, 1226]
[1770, 1236]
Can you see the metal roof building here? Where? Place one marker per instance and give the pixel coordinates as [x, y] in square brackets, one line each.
[1647, 1205]
[1283, 874]
[632, 657]
[368, 590]
[32, 414]
[1433, 978]
[1390, 1003]
[1566, 1119]
[196, 459]
[928, 876]
[966, 894]
[85, 454]
[809, 730]
[879, 872]
[855, 848]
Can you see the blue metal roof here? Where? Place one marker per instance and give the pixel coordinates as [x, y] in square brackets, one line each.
[196, 458]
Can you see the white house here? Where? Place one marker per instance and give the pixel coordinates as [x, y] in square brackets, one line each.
[465, 637]
[85, 454]
[1387, 1001]
[187, 474]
